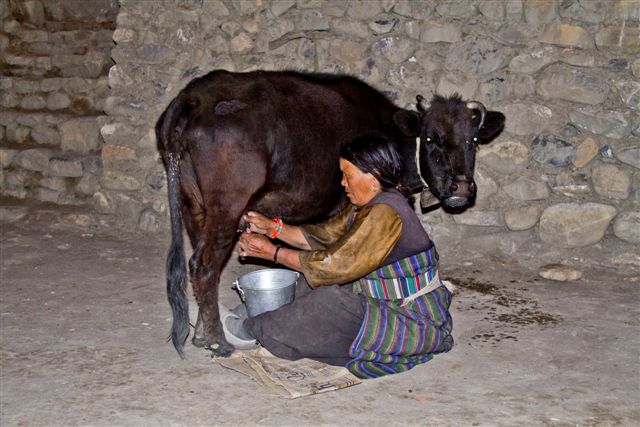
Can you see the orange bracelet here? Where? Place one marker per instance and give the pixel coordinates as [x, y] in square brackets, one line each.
[279, 225]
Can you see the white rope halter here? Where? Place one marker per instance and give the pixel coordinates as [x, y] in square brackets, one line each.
[426, 186]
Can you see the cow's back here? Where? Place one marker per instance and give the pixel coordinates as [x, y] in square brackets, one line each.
[294, 123]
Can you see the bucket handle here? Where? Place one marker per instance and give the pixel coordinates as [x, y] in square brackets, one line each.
[236, 286]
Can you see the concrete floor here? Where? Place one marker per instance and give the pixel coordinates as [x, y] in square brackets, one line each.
[84, 321]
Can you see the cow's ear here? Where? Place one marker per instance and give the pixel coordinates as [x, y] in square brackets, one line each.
[493, 125]
[408, 122]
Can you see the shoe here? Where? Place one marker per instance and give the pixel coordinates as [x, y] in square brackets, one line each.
[236, 333]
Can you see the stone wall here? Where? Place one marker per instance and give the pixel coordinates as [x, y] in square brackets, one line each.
[565, 72]
[53, 83]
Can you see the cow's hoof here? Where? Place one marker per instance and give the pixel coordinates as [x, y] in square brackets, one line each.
[220, 349]
[198, 341]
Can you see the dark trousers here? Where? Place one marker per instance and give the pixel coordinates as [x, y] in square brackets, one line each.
[319, 324]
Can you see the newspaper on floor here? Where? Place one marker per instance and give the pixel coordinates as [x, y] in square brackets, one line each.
[286, 378]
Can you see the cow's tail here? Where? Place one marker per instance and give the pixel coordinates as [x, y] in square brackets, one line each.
[169, 132]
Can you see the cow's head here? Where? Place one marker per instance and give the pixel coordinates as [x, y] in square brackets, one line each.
[449, 131]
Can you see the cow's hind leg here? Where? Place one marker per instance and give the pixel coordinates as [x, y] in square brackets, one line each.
[205, 283]
[209, 258]
[212, 244]
[227, 185]
[194, 262]
[198, 335]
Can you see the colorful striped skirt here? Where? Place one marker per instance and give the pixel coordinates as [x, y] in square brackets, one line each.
[395, 338]
[398, 334]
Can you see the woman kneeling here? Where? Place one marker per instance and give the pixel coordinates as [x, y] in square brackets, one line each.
[374, 302]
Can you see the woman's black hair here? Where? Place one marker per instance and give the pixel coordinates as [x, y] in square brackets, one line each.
[376, 154]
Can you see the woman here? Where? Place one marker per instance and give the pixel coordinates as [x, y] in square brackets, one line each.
[375, 303]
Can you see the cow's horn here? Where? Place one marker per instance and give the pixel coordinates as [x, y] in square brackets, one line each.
[423, 105]
[475, 105]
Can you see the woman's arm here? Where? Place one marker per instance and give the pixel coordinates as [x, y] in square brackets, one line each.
[258, 246]
[369, 241]
[290, 234]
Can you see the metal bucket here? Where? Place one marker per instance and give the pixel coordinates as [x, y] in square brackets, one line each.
[267, 289]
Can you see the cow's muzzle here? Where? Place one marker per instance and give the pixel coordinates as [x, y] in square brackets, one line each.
[461, 192]
[458, 192]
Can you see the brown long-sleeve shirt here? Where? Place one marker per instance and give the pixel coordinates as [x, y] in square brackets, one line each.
[359, 240]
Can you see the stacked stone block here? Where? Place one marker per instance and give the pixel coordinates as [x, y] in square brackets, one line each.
[566, 73]
[565, 173]
[53, 83]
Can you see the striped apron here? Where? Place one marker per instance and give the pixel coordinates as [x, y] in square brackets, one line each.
[406, 317]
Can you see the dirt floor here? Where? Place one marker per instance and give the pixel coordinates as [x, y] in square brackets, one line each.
[84, 321]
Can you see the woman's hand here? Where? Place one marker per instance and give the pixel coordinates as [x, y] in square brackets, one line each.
[290, 234]
[255, 245]
[259, 223]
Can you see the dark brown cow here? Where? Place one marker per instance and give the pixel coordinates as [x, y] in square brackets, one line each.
[269, 141]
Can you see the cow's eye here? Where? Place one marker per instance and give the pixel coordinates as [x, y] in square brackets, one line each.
[433, 139]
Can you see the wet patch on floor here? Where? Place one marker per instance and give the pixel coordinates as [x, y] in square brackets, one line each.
[506, 309]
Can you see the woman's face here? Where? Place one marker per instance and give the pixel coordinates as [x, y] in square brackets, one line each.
[360, 187]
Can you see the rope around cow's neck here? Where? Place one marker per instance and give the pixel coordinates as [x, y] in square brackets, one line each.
[426, 186]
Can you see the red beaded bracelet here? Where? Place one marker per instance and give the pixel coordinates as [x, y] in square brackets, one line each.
[279, 225]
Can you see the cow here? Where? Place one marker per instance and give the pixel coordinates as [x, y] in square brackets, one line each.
[269, 141]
